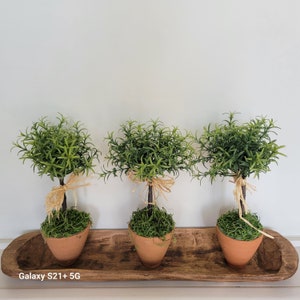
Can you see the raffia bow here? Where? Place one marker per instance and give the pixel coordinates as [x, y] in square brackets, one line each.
[160, 185]
[55, 198]
[239, 197]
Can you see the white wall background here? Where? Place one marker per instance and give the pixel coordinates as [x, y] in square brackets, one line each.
[185, 62]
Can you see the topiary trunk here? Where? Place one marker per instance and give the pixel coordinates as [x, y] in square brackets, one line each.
[64, 204]
[242, 204]
[150, 199]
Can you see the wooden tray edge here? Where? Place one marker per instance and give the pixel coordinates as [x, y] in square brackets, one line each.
[10, 267]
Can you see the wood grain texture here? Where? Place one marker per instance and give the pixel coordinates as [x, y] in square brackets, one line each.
[194, 254]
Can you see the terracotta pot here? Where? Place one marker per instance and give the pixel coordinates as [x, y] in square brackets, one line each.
[151, 251]
[66, 250]
[237, 253]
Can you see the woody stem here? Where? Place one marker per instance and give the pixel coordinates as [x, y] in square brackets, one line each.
[64, 204]
[150, 199]
[242, 204]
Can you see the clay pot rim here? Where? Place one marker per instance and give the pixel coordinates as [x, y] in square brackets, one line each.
[152, 237]
[245, 241]
[66, 237]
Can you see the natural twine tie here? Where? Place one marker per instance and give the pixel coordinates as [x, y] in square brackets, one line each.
[55, 198]
[239, 197]
[160, 185]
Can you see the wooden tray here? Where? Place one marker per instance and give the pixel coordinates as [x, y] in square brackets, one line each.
[109, 255]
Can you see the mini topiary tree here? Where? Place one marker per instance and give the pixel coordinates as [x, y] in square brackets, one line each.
[58, 150]
[237, 150]
[148, 152]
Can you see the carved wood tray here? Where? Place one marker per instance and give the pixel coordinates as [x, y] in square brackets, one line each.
[109, 255]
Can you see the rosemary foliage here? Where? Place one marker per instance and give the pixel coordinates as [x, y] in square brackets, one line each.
[58, 149]
[232, 149]
[149, 150]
